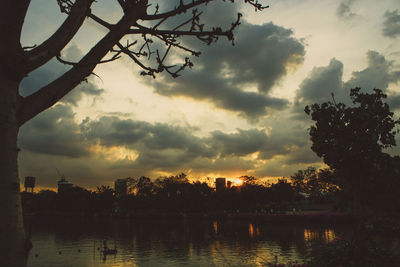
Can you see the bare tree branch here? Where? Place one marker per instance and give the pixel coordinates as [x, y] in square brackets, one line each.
[66, 62]
[134, 56]
[140, 51]
[182, 8]
[100, 21]
[170, 39]
[52, 46]
[215, 32]
[178, 10]
[54, 91]
[256, 4]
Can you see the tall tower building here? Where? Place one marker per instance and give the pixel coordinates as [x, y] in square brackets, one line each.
[29, 184]
[63, 185]
[220, 184]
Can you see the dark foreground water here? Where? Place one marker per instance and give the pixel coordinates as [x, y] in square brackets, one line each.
[59, 241]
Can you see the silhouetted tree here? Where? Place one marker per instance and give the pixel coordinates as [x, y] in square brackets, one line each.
[350, 140]
[314, 183]
[282, 191]
[248, 179]
[253, 195]
[46, 200]
[144, 187]
[131, 185]
[143, 25]
[196, 196]
[301, 179]
[104, 198]
[75, 199]
[105, 190]
[172, 191]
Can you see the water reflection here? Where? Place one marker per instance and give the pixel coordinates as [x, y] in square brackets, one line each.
[253, 230]
[325, 235]
[170, 242]
[215, 226]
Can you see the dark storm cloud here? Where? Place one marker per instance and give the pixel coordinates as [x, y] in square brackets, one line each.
[165, 147]
[166, 160]
[211, 16]
[391, 25]
[223, 73]
[322, 81]
[394, 102]
[53, 132]
[236, 78]
[54, 69]
[204, 85]
[318, 86]
[268, 145]
[159, 146]
[165, 136]
[228, 164]
[112, 131]
[241, 143]
[283, 137]
[343, 11]
[378, 74]
[301, 155]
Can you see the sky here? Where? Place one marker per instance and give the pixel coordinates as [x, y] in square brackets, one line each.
[238, 111]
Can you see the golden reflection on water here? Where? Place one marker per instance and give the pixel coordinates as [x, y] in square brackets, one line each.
[215, 225]
[327, 236]
[193, 244]
[215, 250]
[253, 231]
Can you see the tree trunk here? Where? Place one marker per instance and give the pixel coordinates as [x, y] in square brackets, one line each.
[14, 246]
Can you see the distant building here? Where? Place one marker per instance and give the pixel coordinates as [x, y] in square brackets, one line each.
[120, 187]
[220, 184]
[29, 183]
[63, 185]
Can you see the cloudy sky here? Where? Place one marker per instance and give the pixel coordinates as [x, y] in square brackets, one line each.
[238, 111]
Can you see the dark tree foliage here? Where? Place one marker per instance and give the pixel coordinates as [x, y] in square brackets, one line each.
[352, 142]
[282, 191]
[305, 181]
[320, 185]
[248, 179]
[351, 139]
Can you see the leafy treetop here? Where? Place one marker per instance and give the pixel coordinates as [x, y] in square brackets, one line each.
[352, 135]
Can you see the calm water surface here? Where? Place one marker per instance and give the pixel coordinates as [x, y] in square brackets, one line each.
[59, 241]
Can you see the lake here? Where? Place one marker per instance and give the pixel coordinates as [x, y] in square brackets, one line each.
[78, 241]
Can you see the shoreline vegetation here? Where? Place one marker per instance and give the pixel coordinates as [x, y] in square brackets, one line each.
[300, 217]
[176, 197]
